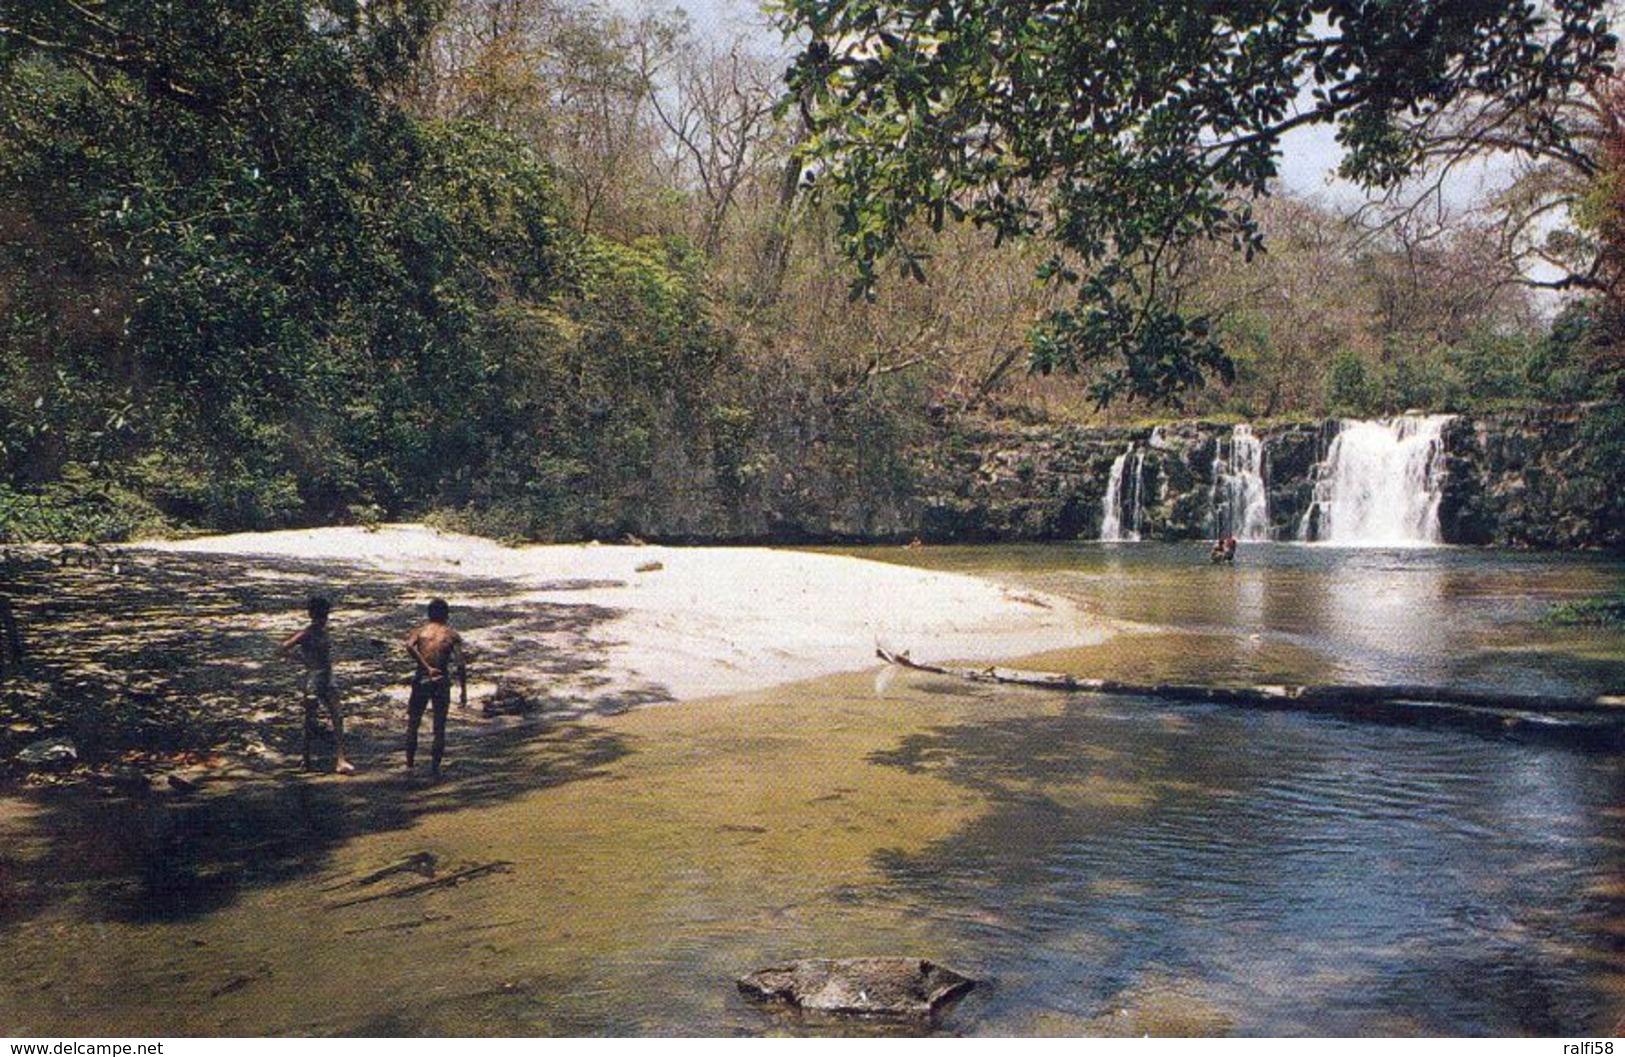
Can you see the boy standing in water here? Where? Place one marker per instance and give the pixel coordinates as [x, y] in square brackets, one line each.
[434, 646]
[314, 649]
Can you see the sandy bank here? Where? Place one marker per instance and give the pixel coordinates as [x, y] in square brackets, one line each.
[692, 622]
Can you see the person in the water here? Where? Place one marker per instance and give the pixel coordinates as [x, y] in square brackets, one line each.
[435, 646]
[314, 649]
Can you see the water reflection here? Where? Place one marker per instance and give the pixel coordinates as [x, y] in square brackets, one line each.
[1296, 875]
[1113, 866]
[1387, 623]
[1285, 874]
[1325, 614]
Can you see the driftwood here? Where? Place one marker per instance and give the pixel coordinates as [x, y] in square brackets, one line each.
[421, 863]
[1403, 702]
[399, 926]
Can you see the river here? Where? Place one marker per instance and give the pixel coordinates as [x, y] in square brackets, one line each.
[1108, 865]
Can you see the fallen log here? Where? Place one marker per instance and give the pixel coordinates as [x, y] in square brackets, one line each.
[1487, 709]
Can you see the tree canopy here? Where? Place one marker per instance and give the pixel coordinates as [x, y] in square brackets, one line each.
[240, 280]
[548, 269]
[1126, 132]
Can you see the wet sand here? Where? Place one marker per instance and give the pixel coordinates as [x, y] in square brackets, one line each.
[616, 868]
[604, 840]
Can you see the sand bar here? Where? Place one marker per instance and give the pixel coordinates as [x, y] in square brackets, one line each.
[694, 622]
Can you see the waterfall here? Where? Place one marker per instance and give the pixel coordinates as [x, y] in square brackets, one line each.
[1123, 494]
[1380, 483]
[1239, 506]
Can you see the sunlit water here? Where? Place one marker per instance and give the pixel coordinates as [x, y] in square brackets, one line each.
[1317, 613]
[1109, 866]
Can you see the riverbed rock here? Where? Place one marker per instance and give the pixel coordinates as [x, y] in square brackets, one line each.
[48, 752]
[1546, 477]
[508, 700]
[865, 987]
[123, 779]
[180, 783]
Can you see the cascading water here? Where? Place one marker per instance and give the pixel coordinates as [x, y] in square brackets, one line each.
[1122, 497]
[1240, 507]
[1380, 483]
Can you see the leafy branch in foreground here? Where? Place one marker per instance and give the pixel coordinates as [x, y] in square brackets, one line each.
[1126, 133]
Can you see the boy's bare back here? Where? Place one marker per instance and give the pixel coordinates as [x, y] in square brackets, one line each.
[434, 645]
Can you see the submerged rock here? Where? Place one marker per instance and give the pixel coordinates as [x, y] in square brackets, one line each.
[1161, 1008]
[884, 987]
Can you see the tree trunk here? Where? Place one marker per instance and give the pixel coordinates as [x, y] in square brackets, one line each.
[1403, 703]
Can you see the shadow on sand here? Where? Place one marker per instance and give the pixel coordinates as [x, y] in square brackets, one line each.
[169, 662]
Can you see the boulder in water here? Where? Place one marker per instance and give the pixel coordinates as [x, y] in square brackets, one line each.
[873, 987]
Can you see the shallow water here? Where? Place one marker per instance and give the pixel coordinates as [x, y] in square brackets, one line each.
[1111, 866]
[1312, 613]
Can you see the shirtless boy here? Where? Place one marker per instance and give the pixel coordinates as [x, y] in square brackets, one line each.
[434, 646]
[314, 649]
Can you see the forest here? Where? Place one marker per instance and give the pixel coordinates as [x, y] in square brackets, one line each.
[531, 267]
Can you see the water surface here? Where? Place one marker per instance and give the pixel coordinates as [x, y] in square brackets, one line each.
[1314, 613]
[1109, 865]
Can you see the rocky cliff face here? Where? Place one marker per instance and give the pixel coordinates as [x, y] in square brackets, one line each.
[1038, 483]
[1000, 483]
[1548, 477]
[1541, 477]
[1551, 477]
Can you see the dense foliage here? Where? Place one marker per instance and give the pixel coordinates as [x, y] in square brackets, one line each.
[1125, 132]
[244, 285]
[546, 270]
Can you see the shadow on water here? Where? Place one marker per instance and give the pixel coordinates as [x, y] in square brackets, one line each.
[166, 858]
[171, 659]
[1288, 874]
[1111, 866]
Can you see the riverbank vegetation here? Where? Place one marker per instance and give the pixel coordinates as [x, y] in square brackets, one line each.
[541, 268]
[1606, 611]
